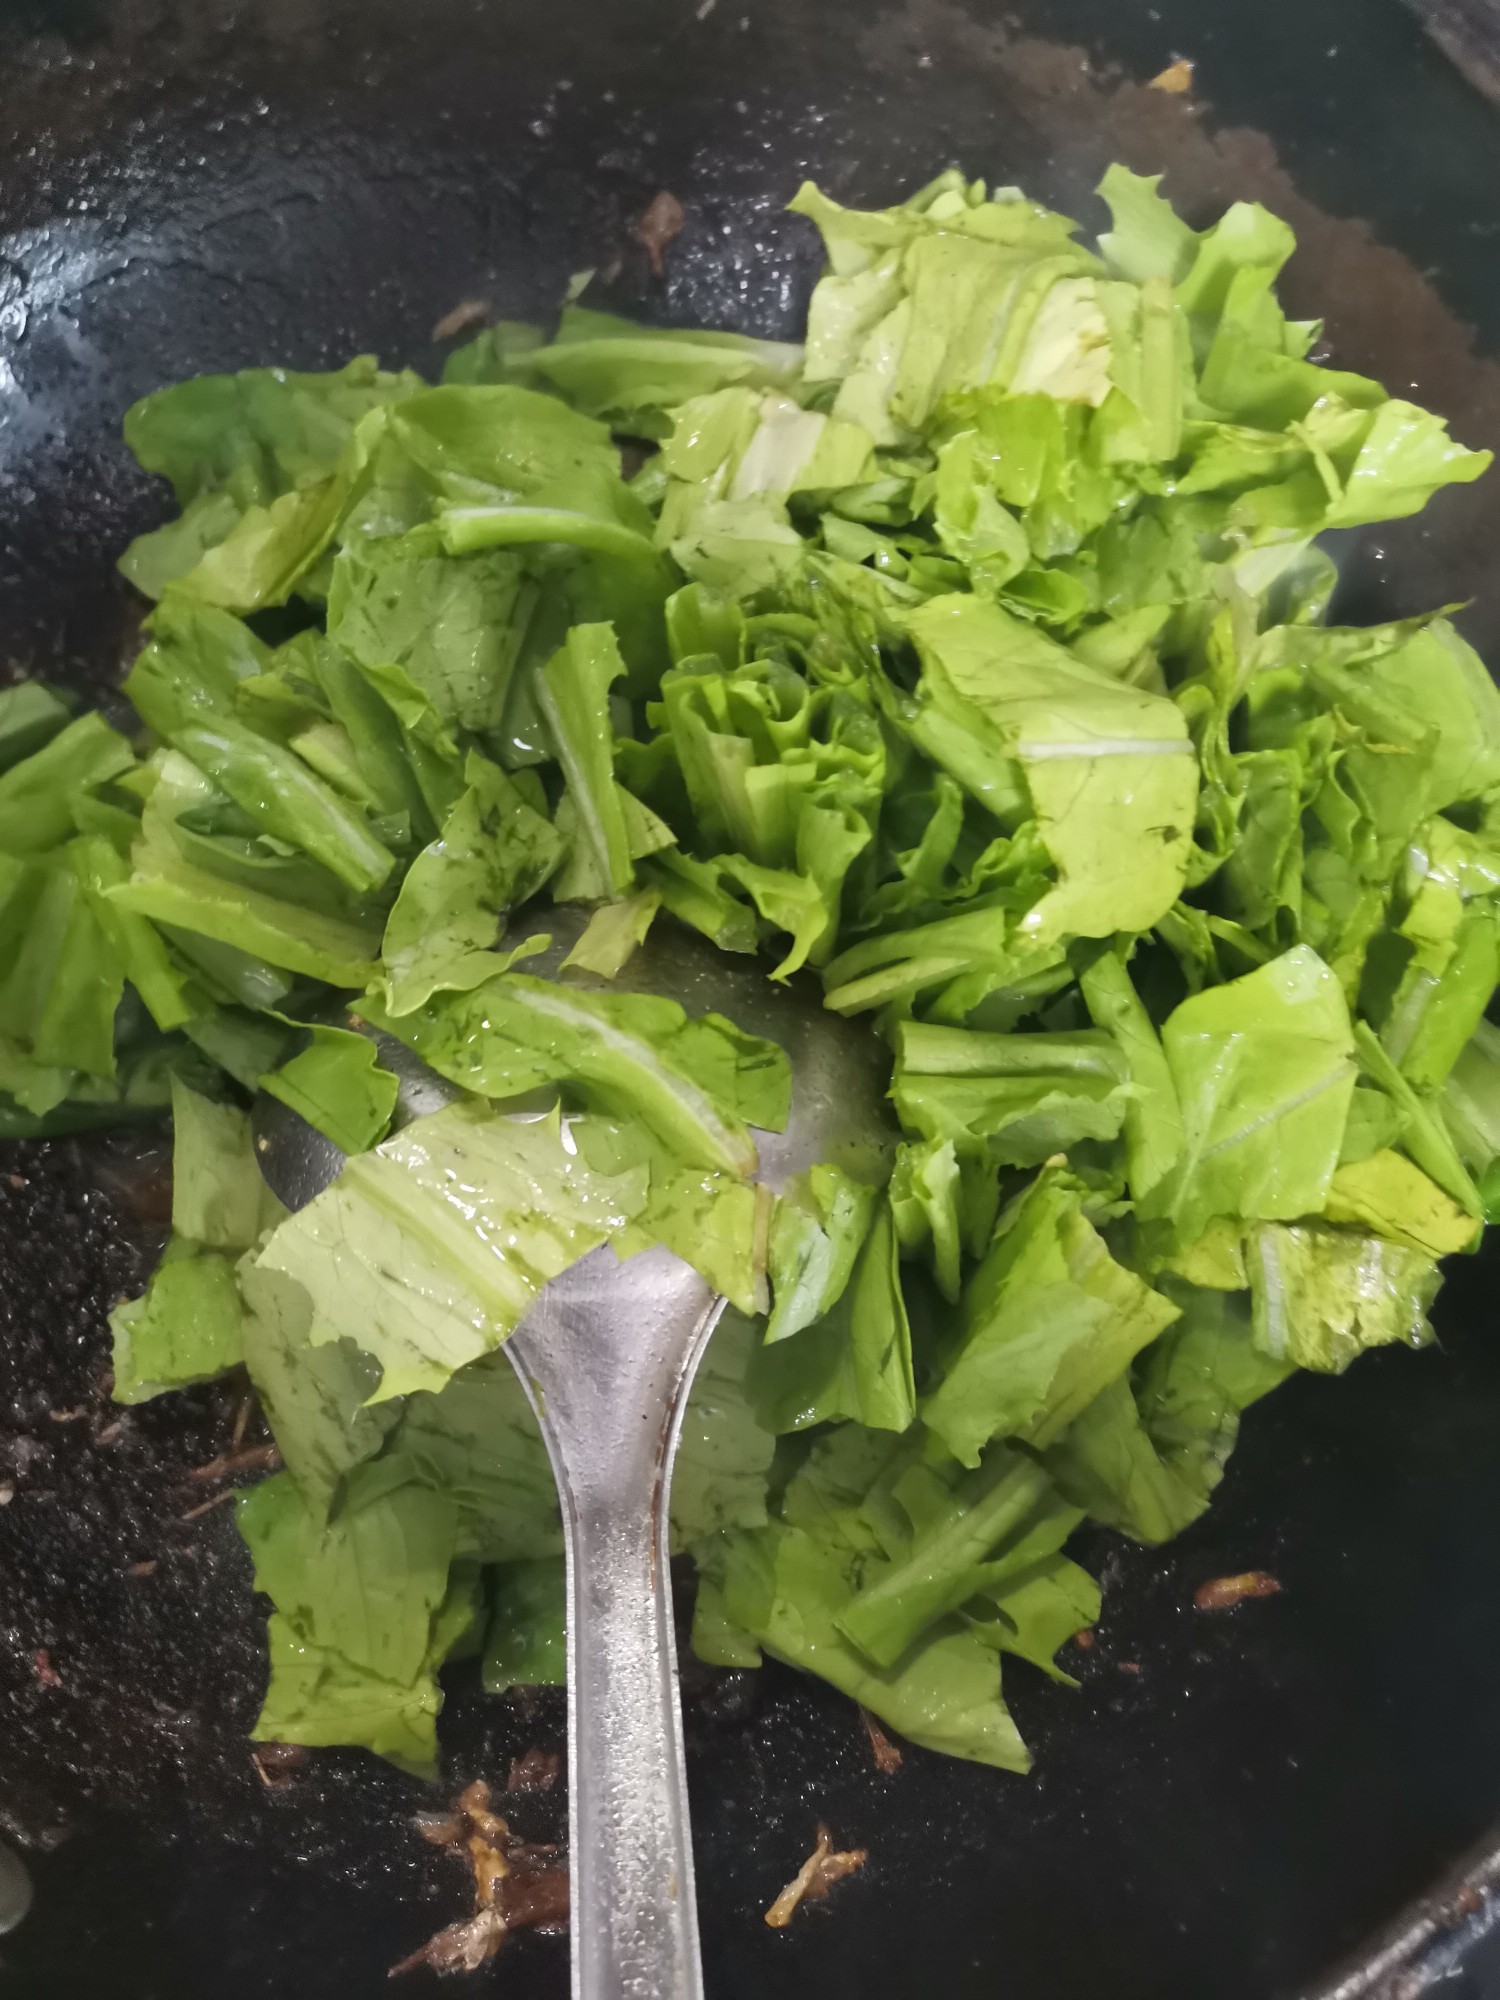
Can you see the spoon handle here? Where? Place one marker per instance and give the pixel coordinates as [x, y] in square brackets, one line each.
[635, 1917]
[607, 1357]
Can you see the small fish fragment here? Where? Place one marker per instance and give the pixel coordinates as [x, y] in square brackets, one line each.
[516, 1882]
[1176, 80]
[882, 1749]
[817, 1875]
[659, 226]
[467, 313]
[1223, 1593]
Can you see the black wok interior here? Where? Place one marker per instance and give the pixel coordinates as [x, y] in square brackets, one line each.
[1229, 1804]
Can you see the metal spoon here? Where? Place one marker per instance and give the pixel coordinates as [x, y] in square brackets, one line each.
[607, 1356]
[15, 1891]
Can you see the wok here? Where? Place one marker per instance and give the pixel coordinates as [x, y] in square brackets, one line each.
[1230, 1806]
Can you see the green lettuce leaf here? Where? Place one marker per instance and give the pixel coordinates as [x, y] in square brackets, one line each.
[1020, 1098]
[499, 352]
[1109, 769]
[316, 1397]
[1264, 1072]
[427, 1251]
[722, 1471]
[632, 375]
[31, 714]
[573, 695]
[714, 1220]
[186, 1327]
[235, 445]
[1047, 1321]
[461, 442]
[696, 1084]
[856, 1359]
[365, 1613]
[1471, 1110]
[947, 1557]
[176, 896]
[37, 790]
[453, 627]
[926, 1195]
[693, 892]
[476, 1442]
[1037, 1614]
[612, 933]
[318, 1697]
[1148, 238]
[218, 1196]
[786, 1590]
[527, 1641]
[495, 850]
[820, 1226]
[338, 1085]
[1423, 1127]
[1389, 1196]
[1148, 1453]
[1322, 1295]
[1153, 1116]
[143, 954]
[64, 981]
[367, 1584]
[189, 1325]
[237, 911]
[185, 685]
[950, 292]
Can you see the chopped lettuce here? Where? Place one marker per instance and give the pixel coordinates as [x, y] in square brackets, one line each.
[1019, 1098]
[427, 1251]
[494, 851]
[365, 1612]
[233, 446]
[337, 1084]
[186, 1327]
[855, 1359]
[1264, 1072]
[1322, 1294]
[317, 1398]
[785, 1591]
[1047, 1320]
[971, 658]
[527, 1641]
[697, 1084]
[1108, 768]
[189, 1325]
[612, 933]
[1146, 1455]
[632, 376]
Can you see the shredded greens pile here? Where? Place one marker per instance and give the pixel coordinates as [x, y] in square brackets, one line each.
[972, 656]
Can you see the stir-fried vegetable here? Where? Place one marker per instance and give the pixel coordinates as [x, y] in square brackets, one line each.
[971, 658]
